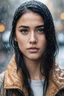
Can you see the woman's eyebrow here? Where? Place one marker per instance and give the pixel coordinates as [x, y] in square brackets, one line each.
[23, 26]
[40, 26]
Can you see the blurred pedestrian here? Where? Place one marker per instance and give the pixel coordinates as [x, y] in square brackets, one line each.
[32, 71]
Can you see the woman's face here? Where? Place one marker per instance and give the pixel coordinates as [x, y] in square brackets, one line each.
[30, 35]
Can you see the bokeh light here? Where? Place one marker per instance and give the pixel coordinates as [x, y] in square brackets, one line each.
[2, 28]
[62, 16]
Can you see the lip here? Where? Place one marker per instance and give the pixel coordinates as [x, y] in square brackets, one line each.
[33, 49]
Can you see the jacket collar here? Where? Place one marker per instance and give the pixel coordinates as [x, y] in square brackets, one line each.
[14, 80]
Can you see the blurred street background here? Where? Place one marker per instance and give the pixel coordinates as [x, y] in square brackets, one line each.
[7, 8]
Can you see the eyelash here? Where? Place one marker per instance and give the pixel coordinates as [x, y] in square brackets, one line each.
[41, 30]
[25, 31]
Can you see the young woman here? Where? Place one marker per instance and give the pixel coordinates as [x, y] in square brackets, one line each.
[32, 70]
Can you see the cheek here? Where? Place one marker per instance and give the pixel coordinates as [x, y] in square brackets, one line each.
[43, 42]
[19, 39]
[21, 43]
[21, 46]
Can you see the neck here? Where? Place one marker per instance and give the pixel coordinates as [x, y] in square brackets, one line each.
[33, 67]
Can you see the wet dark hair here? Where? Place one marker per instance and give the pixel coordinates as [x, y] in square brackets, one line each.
[48, 57]
[60, 92]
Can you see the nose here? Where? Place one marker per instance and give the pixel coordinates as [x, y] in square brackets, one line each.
[33, 39]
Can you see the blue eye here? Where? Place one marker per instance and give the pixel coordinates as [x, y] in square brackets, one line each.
[24, 31]
[41, 30]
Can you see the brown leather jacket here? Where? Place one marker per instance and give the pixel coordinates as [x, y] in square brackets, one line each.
[14, 80]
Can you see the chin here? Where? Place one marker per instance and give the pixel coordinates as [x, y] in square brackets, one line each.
[34, 57]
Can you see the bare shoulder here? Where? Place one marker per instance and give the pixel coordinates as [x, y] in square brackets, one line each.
[58, 77]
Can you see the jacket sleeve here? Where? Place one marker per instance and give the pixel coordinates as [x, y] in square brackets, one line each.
[58, 77]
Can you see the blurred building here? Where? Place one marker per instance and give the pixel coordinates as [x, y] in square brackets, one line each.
[57, 9]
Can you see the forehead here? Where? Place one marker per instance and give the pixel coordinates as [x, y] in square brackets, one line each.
[30, 17]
